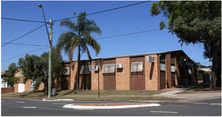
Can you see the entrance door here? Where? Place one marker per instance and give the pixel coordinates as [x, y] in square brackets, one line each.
[162, 80]
[21, 87]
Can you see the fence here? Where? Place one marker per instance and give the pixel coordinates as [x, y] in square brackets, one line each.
[7, 90]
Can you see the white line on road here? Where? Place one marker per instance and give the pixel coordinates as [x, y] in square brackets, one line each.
[163, 112]
[59, 103]
[175, 105]
[28, 107]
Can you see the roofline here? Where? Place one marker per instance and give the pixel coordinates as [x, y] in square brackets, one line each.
[132, 55]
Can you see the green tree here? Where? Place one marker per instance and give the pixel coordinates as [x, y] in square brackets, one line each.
[36, 68]
[195, 22]
[10, 75]
[79, 36]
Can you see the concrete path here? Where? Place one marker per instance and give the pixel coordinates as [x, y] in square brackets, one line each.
[172, 92]
[189, 97]
[199, 96]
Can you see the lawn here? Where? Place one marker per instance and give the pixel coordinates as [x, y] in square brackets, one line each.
[106, 95]
[202, 88]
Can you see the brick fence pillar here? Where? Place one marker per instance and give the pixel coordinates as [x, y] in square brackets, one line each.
[168, 70]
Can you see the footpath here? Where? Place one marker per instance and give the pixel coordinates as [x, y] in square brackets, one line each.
[192, 98]
[196, 98]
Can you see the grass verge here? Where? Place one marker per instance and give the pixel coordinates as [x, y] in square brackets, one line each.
[92, 95]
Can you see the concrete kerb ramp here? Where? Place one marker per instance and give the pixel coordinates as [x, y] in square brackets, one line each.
[98, 106]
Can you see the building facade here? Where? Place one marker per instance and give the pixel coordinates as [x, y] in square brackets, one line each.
[150, 71]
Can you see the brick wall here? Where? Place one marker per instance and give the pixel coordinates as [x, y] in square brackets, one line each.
[94, 75]
[151, 74]
[85, 79]
[28, 83]
[7, 90]
[168, 80]
[123, 74]
[177, 69]
[73, 75]
[137, 79]
[109, 78]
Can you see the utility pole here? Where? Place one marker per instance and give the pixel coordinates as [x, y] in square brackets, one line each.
[50, 59]
[50, 49]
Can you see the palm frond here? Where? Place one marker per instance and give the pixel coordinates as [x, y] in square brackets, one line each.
[69, 24]
[75, 41]
[91, 27]
[64, 42]
[88, 53]
[93, 43]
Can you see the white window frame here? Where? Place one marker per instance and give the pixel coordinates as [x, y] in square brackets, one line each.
[139, 68]
[67, 72]
[85, 72]
[110, 70]
[19, 74]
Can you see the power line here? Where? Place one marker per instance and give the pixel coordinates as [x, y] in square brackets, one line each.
[23, 35]
[127, 34]
[22, 54]
[104, 10]
[63, 19]
[26, 44]
[22, 20]
[116, 20]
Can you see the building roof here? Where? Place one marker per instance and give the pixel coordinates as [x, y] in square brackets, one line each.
[134, 55]
[3, 74]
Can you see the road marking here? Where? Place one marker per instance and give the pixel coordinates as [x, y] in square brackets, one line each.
[175, 105]
[215, 104]
[28, 107]
[84, 109]
[19, 102]
[163, 112]
[3, 101]
[59, 103]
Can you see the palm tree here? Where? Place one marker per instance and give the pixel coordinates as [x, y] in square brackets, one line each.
[79, 35]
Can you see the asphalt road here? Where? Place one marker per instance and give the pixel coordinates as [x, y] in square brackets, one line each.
[212, 101]
[18, 107]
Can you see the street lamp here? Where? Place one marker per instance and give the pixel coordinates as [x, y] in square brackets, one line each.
[50, 49]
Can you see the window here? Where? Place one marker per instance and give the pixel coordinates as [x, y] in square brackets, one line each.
[137, 67]
[162, 66]
[85, 69]
[19, 73]
[108, 68]
[65, 70]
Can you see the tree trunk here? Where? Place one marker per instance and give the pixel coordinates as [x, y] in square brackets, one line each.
[214, 65]
[78, 67]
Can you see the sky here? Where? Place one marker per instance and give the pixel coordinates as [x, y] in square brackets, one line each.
[117, 22]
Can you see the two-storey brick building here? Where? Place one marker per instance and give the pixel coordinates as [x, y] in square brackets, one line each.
[149, 71]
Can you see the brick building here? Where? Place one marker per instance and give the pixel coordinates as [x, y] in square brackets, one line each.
[150, 71]
[21, 87]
